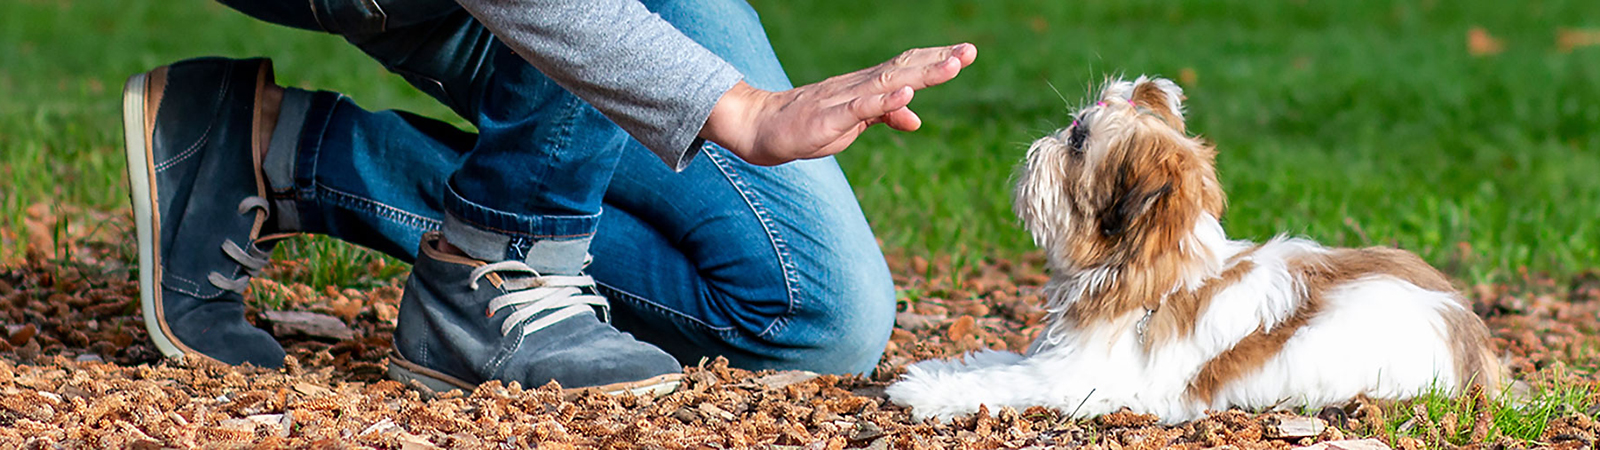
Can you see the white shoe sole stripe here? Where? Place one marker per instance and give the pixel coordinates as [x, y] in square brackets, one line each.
[133, 135]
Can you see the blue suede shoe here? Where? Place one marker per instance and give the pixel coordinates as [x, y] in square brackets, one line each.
[465, 321]
[196, 132]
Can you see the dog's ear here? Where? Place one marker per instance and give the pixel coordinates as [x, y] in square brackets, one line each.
[1161, 97]
[1156, 183]
[1131, 202]
[1141, 189]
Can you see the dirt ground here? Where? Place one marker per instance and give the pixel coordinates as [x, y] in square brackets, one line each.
[77, 371]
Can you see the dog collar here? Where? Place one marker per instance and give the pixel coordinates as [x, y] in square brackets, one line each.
[1142, 325]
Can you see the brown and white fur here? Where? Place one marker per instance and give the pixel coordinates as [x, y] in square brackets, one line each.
[1151, 307]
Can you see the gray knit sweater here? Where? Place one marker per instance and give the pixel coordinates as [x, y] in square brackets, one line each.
[634, 67]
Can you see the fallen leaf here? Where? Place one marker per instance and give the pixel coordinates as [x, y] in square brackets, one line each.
[1481, 43]
[1039, 24]
[1568, 39]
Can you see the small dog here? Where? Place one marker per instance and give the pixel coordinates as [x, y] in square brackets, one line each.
[1152, 308]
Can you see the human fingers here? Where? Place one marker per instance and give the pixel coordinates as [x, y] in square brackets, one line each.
[862, 110]
[917, 68]
[890, 77]
[903, 119]
[963, 52]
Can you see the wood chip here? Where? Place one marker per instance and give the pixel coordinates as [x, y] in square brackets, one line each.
[1293, 427]
[711, 410]
[312, 390]
[379, 427]
[865, 431]
[18, 335]
[410, 441]
[871, 392]
[301, 323]
[1349, 444]
[962, 328]
[783, 379]
[912, 321]
[279, 424]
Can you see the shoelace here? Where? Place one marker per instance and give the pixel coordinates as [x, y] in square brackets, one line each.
[528, 296]
[250, 256]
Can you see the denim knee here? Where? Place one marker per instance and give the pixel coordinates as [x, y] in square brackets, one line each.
[842, 319]
[858, 319]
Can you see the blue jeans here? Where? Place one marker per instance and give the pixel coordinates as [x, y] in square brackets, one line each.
[772, 267]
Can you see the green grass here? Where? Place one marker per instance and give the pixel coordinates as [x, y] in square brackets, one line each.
[1351, 122]
[1522, 420]
[1355, 123]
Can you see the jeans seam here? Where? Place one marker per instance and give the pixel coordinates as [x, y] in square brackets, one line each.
[779, 245]
[376, 208]
[305, 178]
[725, 332]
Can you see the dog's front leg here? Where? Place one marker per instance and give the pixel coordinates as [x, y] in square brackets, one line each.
[949, 388]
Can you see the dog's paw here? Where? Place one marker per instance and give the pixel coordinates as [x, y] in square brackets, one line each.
[949, 388]
[928, 394]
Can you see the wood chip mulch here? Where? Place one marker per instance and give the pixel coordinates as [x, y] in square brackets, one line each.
[77, 371]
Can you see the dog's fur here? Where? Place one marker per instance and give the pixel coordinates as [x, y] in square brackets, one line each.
[1152, 308]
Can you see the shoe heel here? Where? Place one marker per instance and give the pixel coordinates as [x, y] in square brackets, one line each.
[428, 382]
[135, 138]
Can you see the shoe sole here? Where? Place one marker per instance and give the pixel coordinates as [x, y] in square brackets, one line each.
[432, 382]
[136, 133]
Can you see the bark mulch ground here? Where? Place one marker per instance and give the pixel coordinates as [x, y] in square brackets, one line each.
[77, 371]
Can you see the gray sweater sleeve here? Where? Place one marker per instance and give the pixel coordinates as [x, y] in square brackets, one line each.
[628, 62]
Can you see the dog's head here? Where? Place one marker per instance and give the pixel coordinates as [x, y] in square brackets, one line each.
[1123, 184]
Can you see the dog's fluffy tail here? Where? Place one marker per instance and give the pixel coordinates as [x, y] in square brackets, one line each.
[1476, 362]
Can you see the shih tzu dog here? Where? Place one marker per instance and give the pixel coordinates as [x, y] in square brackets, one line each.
[1151, 307]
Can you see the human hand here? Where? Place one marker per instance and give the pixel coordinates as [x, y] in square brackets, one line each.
[823, 118]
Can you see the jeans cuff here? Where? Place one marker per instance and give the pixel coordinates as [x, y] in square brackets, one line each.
[301, 190]
[278, 166]
[550, 244]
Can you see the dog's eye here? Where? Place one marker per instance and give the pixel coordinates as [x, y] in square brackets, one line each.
[1080, 131]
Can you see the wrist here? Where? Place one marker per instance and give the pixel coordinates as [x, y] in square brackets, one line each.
[731, 123]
